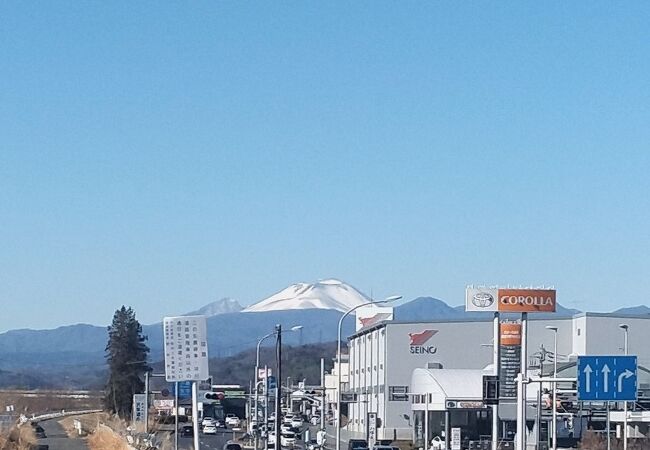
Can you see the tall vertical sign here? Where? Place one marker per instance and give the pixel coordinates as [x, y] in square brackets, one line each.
[372, 429]
[139, 406]
[456, 439]
[509, 358]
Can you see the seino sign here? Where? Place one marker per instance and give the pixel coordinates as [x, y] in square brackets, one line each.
[510, 300]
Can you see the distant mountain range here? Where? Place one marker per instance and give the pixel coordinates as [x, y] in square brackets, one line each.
[72, 355]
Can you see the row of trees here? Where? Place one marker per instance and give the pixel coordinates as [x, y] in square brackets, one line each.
[126, 356]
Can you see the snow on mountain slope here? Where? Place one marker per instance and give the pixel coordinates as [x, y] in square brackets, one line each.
[325, 294]
[224, 306]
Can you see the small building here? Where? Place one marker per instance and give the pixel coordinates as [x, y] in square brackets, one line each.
[446, 399]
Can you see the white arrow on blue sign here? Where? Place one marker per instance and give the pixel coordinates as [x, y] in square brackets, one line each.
[607, 378]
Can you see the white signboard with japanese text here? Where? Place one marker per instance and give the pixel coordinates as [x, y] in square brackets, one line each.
[139, 405]
[186, 348]
[372, 429]
[455, 439]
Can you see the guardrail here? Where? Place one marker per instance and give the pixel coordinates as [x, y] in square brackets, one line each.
[24, 419]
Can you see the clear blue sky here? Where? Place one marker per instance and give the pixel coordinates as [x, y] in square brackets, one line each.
[165, 155]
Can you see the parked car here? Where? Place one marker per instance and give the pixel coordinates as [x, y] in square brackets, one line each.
[383, 447]
[287, 418]
[232, 446]
[207, 421]
[296, 422]
[288, 439]
[219, 423]
[356, 444]
[312, 445]
[209, 429]
[187, 431]
[232, 421]
[285, 428]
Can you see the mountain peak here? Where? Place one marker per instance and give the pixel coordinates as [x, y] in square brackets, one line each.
[325, 294]
[222, 306]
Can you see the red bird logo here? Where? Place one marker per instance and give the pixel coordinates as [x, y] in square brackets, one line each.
[367, 321]
[421, 337]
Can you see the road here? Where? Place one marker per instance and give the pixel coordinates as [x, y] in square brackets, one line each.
[208, 441]
[57, 439]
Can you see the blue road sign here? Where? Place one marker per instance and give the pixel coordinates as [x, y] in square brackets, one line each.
[273, 384]
[184, 389]
[604, 378]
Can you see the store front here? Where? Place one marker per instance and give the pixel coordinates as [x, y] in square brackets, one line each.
[447, 404]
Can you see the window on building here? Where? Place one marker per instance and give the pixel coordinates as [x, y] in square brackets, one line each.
[398, 393]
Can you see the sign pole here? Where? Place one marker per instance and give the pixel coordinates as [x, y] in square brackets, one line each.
[426, 421]
[495, 364]
[176, 415]
[266, 407]
[521, 386]
[195, 414]
[146, 402]
[609, 437]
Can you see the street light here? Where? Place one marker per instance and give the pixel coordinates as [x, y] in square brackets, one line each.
[554, 424]
[626, 328]
[257, 370]
[338, 358]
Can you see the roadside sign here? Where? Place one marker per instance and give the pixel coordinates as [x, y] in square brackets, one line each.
[186, 348]
[607, 378]
[372, 429]
[272, 383]
[139, 406]
[184, 389]
[455, 439]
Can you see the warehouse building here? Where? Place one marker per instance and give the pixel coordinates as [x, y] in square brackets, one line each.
[383, 357]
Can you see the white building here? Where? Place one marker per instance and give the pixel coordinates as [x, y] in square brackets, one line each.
[331, 382]
[384, 356]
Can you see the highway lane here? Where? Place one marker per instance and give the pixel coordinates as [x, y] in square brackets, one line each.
[57, 438]
[207, 441]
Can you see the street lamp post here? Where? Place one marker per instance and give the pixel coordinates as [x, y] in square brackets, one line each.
[338, 359]
[554, 423]
[257, 370]
[625, 327]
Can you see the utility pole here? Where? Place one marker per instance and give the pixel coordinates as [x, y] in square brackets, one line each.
[176, 415]
[146, 402]
[278, 415]
[322, 383]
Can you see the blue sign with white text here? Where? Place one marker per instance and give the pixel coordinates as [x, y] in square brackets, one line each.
[184, 389]
[605, 378]
[272, 383]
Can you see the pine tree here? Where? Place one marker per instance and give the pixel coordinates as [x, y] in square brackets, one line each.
[126, 356]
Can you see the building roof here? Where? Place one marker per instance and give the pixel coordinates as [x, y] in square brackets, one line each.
[489, 318]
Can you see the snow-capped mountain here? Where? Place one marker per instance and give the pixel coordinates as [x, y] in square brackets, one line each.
[325, 294]
[223, 306]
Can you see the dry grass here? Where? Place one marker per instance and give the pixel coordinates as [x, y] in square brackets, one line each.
[89, 422]
[18, 438]
[106, 439]
[44, 401]
[594, 441]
